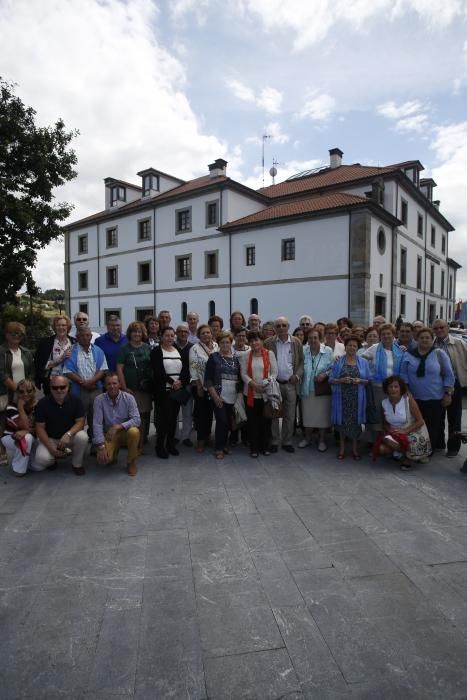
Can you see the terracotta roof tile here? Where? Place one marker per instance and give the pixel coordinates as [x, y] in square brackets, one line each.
[331, 177]
[297, 207]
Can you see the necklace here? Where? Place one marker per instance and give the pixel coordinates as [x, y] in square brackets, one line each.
[228, 360]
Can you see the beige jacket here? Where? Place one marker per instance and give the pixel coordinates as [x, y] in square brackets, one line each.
[297, 350]
[457, 351]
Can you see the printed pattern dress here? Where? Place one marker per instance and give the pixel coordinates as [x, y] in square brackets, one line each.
[350, 425]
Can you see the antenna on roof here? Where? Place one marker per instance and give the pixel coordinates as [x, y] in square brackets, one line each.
[265, 136]
[273, 170]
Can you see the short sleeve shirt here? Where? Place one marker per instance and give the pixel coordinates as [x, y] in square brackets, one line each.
[59, 419]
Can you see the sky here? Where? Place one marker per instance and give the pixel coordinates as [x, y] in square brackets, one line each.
[175, 85]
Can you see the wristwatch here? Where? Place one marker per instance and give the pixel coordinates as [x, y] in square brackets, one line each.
[70, 435]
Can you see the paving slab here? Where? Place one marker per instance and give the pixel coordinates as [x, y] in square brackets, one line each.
[292, 576]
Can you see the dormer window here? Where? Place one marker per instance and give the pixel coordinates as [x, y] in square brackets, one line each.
[150, 182]
[117, 194]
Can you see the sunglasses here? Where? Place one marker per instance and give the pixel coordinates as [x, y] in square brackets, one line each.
[25, 391]
[59, 387]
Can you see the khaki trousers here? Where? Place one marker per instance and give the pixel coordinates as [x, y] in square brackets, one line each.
[289, 401]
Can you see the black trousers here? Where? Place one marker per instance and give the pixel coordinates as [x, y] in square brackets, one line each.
[223, 425]
[454, 415]
[166, 421]
[432, 412]
[258, 426]
[203, 409]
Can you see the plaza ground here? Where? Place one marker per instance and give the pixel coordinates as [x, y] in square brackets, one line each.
[291, 576]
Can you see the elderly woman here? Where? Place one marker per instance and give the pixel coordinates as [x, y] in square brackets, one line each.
[152, 329]
[16, 362]
[428, 372]
[405, 432]
[385, 360]
[19, 433]
[268, 330]
[222, 376]
[171, 373]
[52, 352]
[237, 321]
[134, 373]
[371, 337]
[330, 338]
[348, 380]
[257, 367]
[198, 357]
[300, 334]
[316, 406]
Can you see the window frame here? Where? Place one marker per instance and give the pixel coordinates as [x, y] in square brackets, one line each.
[419, 281]
[83, 237]
[207, 205]
[178, 258]
[148, 311]
[81, 287]
[285, 252]
[109, 269]
[140, 263]
[140, 223]
[110, 312]
[178, 212]
[83, 308]
[109, 230]
[420, 228]
[432, 278]
[403, 265]
[115, 192]
[152, 179]
[404, 212]
[247, 258]
[433, 236]
[207, 274]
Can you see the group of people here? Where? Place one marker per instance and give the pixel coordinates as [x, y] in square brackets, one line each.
[259, 382]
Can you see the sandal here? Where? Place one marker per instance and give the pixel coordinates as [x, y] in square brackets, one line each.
[226, 451]
[254, 454]
[341, 455]
[356, 457]
[405, 466]
[220, 455]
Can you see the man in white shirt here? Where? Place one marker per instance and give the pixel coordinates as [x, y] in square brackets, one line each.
[289, 354]
[192, 318]
[81, 320]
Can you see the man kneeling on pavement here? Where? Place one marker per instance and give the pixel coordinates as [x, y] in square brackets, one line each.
[59, 427]
[116, 422]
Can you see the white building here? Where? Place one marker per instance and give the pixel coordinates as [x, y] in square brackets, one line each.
[344, 240]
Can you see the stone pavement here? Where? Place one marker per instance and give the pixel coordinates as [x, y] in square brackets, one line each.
[290, 576]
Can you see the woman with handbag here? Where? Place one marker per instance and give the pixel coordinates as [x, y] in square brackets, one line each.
[134, 373]
[405, 433]
[257, 367]
[198, 357]
[171, 378]
[52, 352]
[315, 391]
[349, 378]
[221, 377]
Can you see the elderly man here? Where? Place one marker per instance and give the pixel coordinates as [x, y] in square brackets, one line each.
[305, 323]
[457, 351]
[116, 424]
[85, 368]
[192, 319]
[183, 345]
[378, 321]
[289, 353]
[254, 323]
[81, 320]
[59, 428]
[164, 319]
[112, 341]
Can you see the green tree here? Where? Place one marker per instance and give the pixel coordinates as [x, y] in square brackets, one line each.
[34, 161]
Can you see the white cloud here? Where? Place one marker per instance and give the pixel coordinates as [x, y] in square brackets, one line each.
[310, 22]
[269, 99]
[99, 66]
[418, 123]
[275, 132]
[318, 107]
[393, 111]
[450, 146]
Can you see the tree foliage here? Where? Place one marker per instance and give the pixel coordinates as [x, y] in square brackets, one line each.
[34, 161]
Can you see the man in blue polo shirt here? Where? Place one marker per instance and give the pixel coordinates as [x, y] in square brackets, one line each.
[112, 341]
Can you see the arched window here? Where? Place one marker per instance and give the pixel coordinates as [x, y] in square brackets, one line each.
[253, 306]
[184, 311]
[211, 308]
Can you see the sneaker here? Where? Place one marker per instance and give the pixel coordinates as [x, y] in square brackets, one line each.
[79, 471]
[322, 447]
[304, 443]
[288, 448]
[132, 469]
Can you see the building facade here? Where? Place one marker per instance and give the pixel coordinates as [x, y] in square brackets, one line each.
[343, 240]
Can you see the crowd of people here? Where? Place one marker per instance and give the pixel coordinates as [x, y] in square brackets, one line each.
[257, 383]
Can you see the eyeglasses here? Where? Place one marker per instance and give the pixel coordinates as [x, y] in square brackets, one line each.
[59, 387]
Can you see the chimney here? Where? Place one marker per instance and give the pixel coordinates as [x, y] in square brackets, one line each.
[218, 168]
[436, 203]
[377, 191]
[335, 157]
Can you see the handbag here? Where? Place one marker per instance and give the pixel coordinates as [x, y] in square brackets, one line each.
[238, 413]
[180, 396]
[373, 412]
[323, 388]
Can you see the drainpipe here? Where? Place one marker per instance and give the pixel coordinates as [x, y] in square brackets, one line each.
[424, 279]
[154, 257]
[98, 279]
[394, 234]
[348, 281]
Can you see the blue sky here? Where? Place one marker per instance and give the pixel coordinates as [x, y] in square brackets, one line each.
[176, 85]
